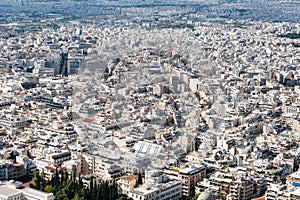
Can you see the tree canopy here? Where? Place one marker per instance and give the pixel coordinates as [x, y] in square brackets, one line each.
[64, 188]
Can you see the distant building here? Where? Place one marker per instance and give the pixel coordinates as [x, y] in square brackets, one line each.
[194, 84]
[277, 192]
[134, 163]
[57, 158]
[127, 183]
[228, 185]
[103, 168]
[157, 186]
[189, 178]
[7, 193]
[16, 191]
[11, 171]
[295, 194]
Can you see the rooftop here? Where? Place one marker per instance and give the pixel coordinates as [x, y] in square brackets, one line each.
[7, 192]
[29, 192]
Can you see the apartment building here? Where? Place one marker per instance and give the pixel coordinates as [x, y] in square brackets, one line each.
[277, 192]
[127, 183]
[232, 186]
[189, 176]
[58, 157]
[157, 186]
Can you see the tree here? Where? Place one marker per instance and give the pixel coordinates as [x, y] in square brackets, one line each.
[140, 179]
[66, 188]
[77, 197]
[104, 190]
[55, 179]
[36, 181]
[69, 188]
[61, 194]
[49, 189]
[43, 180]
[62, 179]
[195, 197]
[124, 197]
[114, 191]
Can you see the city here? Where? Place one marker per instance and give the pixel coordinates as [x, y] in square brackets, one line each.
[149, 100]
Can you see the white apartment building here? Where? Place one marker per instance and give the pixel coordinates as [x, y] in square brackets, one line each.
[157, 186]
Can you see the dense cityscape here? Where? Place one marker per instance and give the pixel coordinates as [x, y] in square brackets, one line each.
[149, 100]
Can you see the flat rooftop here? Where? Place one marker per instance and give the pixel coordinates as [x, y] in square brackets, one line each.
[29, 192]
[7, 192]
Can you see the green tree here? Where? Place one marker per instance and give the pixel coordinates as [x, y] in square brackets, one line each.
[195, 197]
[69, 188]
[140, 179]
[62, 179]
[55, 180]
[43, 180]
[66, 188]
[113, 191]
[124, 197]
[61, 194]
[77, 197]
[36, 181]
[49, 189]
